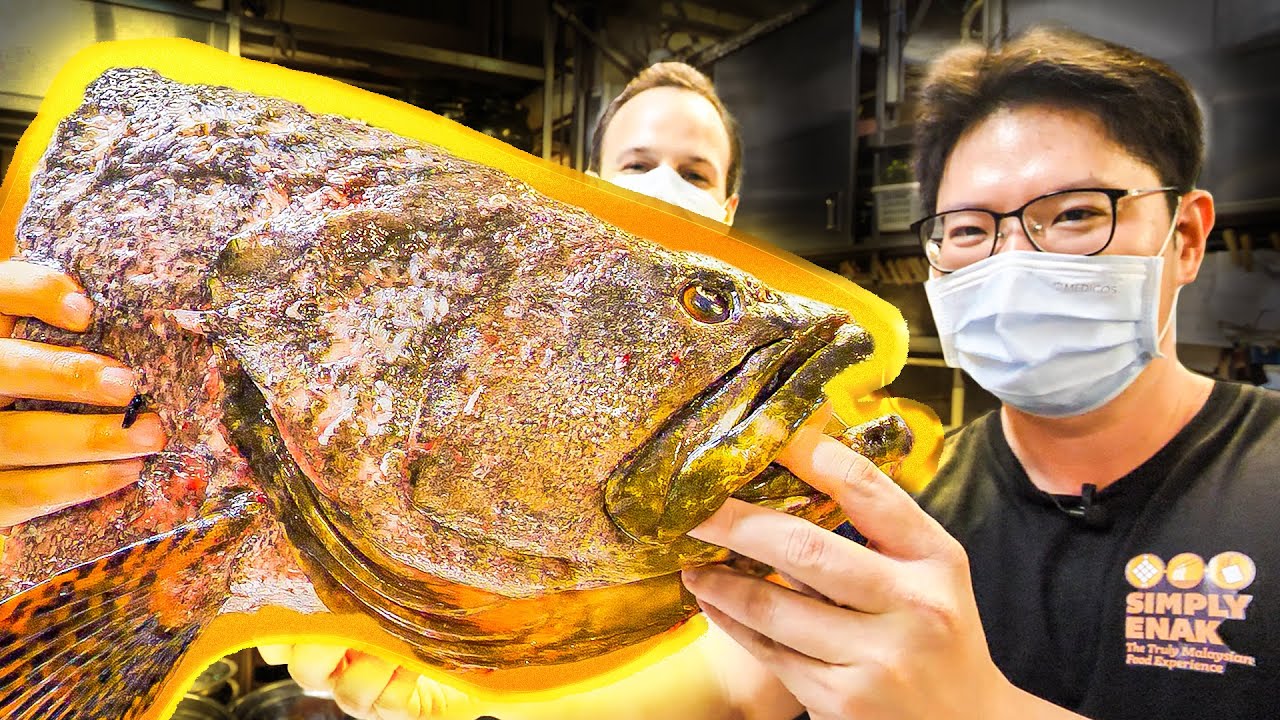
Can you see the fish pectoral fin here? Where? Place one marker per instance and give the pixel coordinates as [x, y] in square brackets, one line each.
[100, 639]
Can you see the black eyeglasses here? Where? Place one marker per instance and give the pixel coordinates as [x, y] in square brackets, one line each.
[1075, 222]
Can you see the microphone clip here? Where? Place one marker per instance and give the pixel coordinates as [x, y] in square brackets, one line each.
[1088, 511]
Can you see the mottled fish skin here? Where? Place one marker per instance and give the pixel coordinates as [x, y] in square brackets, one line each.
[476, 372]
[451, 625]
[135, 197]
[450, 367]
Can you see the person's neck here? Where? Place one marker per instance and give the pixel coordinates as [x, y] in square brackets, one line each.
[1099, 447]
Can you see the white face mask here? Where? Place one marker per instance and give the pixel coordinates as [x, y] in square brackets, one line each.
[1051, 334]
[664, 183]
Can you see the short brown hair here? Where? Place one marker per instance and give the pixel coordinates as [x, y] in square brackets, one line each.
[1146, 107]
[677, 75]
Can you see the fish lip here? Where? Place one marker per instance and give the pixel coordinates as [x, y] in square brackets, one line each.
[673, 481]
[804, 349]
[884, 440]
[796, 350]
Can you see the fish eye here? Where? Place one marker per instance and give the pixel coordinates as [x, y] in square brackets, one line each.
[706, 305]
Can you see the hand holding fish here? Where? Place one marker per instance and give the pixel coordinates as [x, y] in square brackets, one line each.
[365, 686]
[50, 460]
[885, 631]
[711, 679]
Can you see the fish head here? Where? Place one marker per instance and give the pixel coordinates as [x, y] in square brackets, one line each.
[758, 361]
[503, 391]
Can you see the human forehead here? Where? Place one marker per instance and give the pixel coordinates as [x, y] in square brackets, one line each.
[1018, 153]
[668, 117]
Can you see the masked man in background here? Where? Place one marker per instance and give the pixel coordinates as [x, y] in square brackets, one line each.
[668, 136]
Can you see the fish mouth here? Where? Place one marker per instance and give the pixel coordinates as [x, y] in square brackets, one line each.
[715, 445]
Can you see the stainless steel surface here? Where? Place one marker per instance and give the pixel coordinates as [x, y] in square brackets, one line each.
[548, 77]
[196, 707]
[796, 87]
[625, 64]
[37, 37]
[892, 68]
[994, 23]
[713, 53]
[285, 700]
[233, 27]
[246, 660]
[581, 72]
[855, 92]
[412, 51]
[168, 7]
[214, 677]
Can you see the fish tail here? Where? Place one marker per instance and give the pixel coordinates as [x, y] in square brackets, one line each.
[100, 639]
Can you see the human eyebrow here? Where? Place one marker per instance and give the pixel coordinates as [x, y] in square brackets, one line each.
[1089, 182]
[700, 160]
[639, 152]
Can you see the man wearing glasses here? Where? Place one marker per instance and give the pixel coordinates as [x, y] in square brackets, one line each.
[1116, 551]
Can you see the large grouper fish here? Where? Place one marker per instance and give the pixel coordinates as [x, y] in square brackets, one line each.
[397, 384]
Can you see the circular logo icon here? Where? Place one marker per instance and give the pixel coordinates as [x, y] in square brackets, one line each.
[1185, 571]
[1232, 570]
[1144, 571]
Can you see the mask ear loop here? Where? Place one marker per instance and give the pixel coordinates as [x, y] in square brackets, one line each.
[1173, 306]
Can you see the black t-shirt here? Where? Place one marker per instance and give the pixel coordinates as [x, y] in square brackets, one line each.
[1168, 604]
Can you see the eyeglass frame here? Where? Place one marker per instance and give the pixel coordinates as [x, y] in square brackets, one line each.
[1114, 194]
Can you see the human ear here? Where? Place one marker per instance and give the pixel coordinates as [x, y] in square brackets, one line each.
[1194, 222]
[730, 207]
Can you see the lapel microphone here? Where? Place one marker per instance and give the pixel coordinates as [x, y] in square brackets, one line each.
[1086, 510]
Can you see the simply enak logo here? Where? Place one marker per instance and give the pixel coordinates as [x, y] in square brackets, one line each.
[1173, 615]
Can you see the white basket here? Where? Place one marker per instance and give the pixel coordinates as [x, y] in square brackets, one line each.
[897, 206]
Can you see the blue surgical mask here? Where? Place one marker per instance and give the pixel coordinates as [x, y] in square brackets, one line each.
[1051, 334]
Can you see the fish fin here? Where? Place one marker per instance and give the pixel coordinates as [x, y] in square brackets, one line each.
[99, 640]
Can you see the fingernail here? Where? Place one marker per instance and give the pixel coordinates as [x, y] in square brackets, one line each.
[132, 410]
[147, 433]
[119, 384]
[79, 310]
[692, 576]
